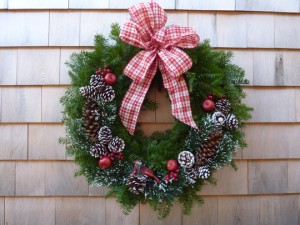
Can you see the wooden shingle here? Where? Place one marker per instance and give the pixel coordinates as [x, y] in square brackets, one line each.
[51, 108]
[36, 4]
[238, 210]
[62, 182]
[262, 25]
[268, 177]
[43, 142]
[13, 142]
[278, 210]
[149, 217]
[30, 179]
[90, 24]
[38, 66]
[206, 5]
[206, 214]
[7, 178]
[79, 211]
[22, 104]
[272, 141]
[114, 214]
[287, 31]
[24, 29]
[268, 5]
[64, 28]
[231, 30]
[8, 66]
[30, 211]
[230, 182]
[205, 26]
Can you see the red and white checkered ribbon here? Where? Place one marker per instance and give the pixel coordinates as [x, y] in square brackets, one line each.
[161, 45]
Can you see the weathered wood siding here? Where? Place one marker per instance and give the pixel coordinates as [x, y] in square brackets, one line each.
[37, 185]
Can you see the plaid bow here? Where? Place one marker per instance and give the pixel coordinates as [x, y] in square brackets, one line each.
[161, 45]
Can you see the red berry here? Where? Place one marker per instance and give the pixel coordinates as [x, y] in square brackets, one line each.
[110, 79]
[208, 105]
[210, 97]
[115, 151]
[172, 165]
[104, 162]
[108, 70]
[177, 171]
[103, 74]
[175, 175]
[106, 67]
[99, 71]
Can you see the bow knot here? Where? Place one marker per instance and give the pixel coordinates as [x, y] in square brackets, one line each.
[161, 49]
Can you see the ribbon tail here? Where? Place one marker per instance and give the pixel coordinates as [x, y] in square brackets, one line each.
[133, 100]
[180, 101]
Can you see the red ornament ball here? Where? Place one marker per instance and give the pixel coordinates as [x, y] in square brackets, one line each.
[104, 162]
[172, 165]
[110, 79]
[208, 105]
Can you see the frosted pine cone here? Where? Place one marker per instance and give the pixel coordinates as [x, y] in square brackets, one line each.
[104, 135]
[89, 92]
[186, 159]
[116, 144]
[218, 118]
[223, 105]
[107, 94]
[192, 173]
[136, 183]
[231, 122]
[96, 81]
[98, 150]
[203, 172]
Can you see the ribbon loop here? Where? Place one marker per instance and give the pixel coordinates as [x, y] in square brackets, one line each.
[161, 50]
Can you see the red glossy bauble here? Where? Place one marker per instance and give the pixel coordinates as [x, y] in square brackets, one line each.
[110, 79]
[172, 165]
[104, 162]
[208, 105]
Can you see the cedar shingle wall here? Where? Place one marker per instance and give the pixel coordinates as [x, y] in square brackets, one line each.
[37, 185]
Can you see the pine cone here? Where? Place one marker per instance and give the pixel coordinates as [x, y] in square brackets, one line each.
[231, 122]
[192, 173]
[218, 118]
[98, 150]
[89, 92]
[107, 93]
[136, 183]
[208, 148]
[116, 144]
[203, 172]
[96, 81]
[104, 135]
[223, 105]
[90, 113]
[186, 159]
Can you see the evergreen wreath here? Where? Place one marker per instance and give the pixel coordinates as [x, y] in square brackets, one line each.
[167, 167]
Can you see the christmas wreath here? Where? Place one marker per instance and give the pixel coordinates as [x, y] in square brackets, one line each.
[205, 94]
